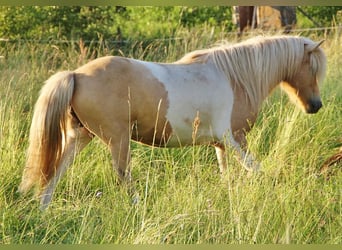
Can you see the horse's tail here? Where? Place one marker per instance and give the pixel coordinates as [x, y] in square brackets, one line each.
[48, 130]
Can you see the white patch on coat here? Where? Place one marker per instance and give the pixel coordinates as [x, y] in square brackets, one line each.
[195, 90]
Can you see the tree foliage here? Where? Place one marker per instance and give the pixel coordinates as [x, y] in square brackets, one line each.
[122, 23]
[51, 22]
[107, 22]
[322, 15]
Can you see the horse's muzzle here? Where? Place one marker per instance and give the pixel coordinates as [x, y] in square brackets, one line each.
[314, 105]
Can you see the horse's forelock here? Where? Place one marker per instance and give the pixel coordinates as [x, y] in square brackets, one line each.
[317, 58]
[318, 64]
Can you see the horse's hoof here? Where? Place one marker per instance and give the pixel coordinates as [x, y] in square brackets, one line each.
[135, 199]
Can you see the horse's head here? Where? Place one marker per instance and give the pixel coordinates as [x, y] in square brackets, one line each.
[302, 87]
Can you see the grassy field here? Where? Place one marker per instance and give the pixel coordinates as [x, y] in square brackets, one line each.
[182, 197]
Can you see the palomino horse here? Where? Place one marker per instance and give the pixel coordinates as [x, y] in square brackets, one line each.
[215, 92]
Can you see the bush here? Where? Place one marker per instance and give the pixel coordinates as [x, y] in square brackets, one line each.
[108, 22]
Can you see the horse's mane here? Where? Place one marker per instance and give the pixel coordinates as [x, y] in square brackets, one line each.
[257, 62]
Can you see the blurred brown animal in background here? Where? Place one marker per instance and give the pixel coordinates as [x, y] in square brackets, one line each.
[332, 162]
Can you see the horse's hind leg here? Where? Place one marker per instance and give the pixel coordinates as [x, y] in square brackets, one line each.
[120, 150]
[121, 163]
[76, 140]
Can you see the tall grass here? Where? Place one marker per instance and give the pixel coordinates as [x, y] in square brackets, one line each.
[182, 197]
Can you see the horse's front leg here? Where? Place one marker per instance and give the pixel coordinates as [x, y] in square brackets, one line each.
[244, 157]
[221, 157]
[247, 159]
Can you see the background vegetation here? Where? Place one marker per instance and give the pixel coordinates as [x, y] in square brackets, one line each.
[128, 23]
[182, 198]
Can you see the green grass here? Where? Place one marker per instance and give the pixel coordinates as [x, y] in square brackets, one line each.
[182, 197]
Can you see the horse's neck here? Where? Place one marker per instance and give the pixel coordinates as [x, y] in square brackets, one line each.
[275, 78]
[257, 78]
[259, 88]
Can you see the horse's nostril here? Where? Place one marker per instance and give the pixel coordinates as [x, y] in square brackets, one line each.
[314, 106]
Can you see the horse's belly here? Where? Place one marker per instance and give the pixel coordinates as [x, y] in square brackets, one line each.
[188, 132]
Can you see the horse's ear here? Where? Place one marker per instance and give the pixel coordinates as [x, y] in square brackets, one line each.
[314, 46]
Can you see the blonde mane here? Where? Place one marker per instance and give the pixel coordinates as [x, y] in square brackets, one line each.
[258, 62]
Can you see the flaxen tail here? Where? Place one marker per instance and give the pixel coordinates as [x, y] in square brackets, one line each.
[48, 127]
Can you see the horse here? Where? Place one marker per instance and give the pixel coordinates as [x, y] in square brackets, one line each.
[210, 96]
